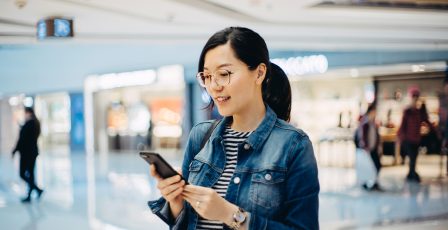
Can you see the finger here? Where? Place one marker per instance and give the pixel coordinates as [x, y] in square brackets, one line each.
[174, 194]
[196, 193]
[193, 188]
[191, 201]
[153, 171]
[192, 197]
[168, 181]
[169, 189]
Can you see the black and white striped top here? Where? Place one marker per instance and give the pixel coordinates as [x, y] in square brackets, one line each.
[231, 140]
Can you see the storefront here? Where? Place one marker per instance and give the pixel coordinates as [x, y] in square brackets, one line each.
[393, 98]
[53, 111]
[138, 110]
[327, 109]
[327, 104]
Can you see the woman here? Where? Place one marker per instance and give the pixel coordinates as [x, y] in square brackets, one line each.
[27, 146]
[255, 171]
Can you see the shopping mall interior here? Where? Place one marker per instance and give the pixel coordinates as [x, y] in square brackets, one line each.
[110, 78]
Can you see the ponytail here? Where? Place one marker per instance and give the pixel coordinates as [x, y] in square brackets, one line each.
[276, 92]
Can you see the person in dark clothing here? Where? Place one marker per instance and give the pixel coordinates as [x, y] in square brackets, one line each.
[443, 116]
[27, 146]
[370, 141]
[409, 133]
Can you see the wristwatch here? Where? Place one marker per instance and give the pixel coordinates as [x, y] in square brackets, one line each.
[239, 217]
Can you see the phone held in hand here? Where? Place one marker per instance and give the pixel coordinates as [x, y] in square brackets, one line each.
[163, 168]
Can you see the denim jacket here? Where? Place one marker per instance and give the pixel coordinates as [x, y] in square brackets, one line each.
[278, 184]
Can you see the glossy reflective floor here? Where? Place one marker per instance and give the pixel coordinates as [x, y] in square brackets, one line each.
[109, 191]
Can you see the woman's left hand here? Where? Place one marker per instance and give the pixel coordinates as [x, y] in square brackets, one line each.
[209, 204]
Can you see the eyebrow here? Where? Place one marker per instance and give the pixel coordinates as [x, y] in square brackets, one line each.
[220, 66]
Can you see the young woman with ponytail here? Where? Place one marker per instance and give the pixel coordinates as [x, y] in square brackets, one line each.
[256, 171]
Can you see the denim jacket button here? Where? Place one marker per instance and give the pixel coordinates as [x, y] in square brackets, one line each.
[268, 176]
[236, 180]
[246, 146]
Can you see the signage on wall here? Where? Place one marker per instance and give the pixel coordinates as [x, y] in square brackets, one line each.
[295, 66]
[55, 27]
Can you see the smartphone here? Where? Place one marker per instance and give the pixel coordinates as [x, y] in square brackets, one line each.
[163, 168]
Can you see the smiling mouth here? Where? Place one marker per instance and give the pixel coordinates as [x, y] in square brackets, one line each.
[222, 99]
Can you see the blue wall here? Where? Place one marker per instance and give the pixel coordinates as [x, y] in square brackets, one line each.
[57, 67]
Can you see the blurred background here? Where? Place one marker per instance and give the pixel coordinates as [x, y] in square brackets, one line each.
[108, 78]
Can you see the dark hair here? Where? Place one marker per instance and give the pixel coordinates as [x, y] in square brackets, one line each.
[250, 48]
[30, 111]
[35, 120]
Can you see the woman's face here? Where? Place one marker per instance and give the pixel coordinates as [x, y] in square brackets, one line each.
[244, 85]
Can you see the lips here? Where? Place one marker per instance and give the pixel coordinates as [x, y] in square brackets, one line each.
[222, 98]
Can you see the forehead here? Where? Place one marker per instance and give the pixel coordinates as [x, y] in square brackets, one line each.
[220, 55]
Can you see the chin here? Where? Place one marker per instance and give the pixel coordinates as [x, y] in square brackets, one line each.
[224, 112]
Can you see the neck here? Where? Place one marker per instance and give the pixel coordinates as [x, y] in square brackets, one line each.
[249, 119]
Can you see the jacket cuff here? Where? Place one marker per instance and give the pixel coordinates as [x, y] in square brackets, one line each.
[178, 223]
[162, 209]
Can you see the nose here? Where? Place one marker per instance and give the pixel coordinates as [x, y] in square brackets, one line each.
[215, 86]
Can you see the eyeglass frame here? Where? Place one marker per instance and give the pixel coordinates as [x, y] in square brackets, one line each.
[213, 76]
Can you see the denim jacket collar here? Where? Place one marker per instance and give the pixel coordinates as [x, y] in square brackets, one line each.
[258, 137]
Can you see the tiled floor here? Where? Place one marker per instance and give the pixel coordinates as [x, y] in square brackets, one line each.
[110, 192]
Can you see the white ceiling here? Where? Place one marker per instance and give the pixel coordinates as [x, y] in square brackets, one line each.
[288, 24]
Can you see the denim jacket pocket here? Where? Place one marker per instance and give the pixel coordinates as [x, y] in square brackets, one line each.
[266, 188]
[194, 170]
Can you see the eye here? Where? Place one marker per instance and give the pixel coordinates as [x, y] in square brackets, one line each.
[223, 73]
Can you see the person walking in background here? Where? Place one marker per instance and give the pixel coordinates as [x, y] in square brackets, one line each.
[256, 171]
[443, 118]
[369, 140]
[409, 132]
[27, 147]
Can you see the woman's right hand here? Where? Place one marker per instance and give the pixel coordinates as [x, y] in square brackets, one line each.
[171, 189]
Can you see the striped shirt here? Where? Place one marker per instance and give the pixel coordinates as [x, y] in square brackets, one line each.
[231, 140]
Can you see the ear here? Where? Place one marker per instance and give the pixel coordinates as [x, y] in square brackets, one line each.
[261, 73]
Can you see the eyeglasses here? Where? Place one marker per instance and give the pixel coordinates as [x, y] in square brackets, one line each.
[221, 77]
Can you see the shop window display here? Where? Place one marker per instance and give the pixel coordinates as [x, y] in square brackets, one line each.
[329, 113]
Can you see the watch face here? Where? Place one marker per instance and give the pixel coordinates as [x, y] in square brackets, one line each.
[239, 217]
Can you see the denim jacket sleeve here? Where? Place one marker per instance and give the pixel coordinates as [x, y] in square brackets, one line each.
[302, 186]
[160, 207]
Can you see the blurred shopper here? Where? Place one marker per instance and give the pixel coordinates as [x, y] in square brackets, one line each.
[27, 147]
[431, 139]
[369, 140]
[256, 171]
[443, 116]
[409, 132]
